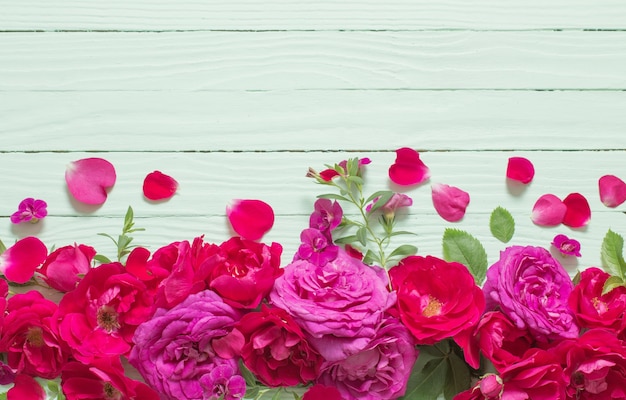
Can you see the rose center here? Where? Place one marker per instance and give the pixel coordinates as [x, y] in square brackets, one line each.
[599, 305]
[432, 308]
[34, 337]
[110, 392]
[108, 319]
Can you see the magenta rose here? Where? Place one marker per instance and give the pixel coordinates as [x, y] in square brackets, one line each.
[339, 304]
[99, 317]
[275, 349]
[102, 379]
[436, 299]
[532, 289]
[174, 351]
[242, 272]
[378, 372]
[594, 365]
[66, 266]
[594, 309]
[29, 337]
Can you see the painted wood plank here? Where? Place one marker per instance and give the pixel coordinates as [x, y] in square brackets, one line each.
[303, 14]
[311, 120]
[194, 61]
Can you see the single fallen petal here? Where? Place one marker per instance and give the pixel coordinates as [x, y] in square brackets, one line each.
[88, 179]
[566, 246]
[548, 210]
[578, 212]
[520, 169]
[26, 388]
[612, 190]
[158, 186]
[449, 201]
[18, 262]
[251, 219]
[408, 169]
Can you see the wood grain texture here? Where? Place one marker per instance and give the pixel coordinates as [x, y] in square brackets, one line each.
[193, 61]
[311, 120]
[306, 15]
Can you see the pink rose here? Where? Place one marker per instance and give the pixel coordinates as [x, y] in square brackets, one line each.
[66, 266]
[29, 337]
[436, 299]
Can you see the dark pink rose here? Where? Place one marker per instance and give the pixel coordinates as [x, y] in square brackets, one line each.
[99, 317]
[321, 392]
[593, 309]
[339, 304]
[532, 289]
[436, 299]
[66, 266]
[29, 337]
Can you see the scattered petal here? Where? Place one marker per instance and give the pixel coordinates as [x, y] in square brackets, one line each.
[612, 190]
[89, 178]
[251, 219]
[18, 262]
[158, 186]
[566, 246]
[31, 210]
[548, 210]
[578, 212]
[408, 168]
[449, 201]
[26, 388]
[520, 169]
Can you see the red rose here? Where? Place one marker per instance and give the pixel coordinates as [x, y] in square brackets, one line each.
[591, 308]
[436, 299]
[29, 337]
[66, 266]
[243, 272]
[321, 392]
[276, 350]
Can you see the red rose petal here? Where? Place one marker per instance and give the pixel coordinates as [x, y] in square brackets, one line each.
[520, 169]
[88, 179]
[612, 190]
[408, 168]
[548, 210]
[578, 212]
[18, 262]
[158, 186]
[449, 201]
[251, 219]
[26, 388]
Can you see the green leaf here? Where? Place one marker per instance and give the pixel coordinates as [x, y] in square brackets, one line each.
[332, 196]
[371, 258]
[296, 396]
[357, 180]
[502, 224]
[464, 248]
[128, 219]
[378, 194]
[276, 395]
[428, 376]
[3, 248]
[109, 236]
[612, 283]
[458, 378]
[404, 250]
[346, 239]
[396, 233]
[383, 198]
[361, 235]
[102, 259]
[247, 375]
[611, 254]
[252, 392]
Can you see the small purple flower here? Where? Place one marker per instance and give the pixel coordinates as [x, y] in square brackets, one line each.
[7, 374]
[316, 247]
[223, 382]
[30, 210]
[566, 246]
[326, 217]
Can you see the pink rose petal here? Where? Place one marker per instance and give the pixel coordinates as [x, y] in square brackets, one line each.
[449, 201]
[88, 179]
[578, 212]
[408, 168]
[251, 219]
[26, 388]
[18, 262]
[158, 186]
[548, 210]
[520, 169]
[612, 190]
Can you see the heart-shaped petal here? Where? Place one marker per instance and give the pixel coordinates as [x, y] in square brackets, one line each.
[612, 190]
[548, 210]
[449, 201]
[158, 186]
[408, 168]
[520, 169]
[251, 219]
[18, 262]
[578, 212]
[89, 178]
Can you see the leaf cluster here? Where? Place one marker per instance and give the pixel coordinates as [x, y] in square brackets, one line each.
[123, 241]
[613, 262]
